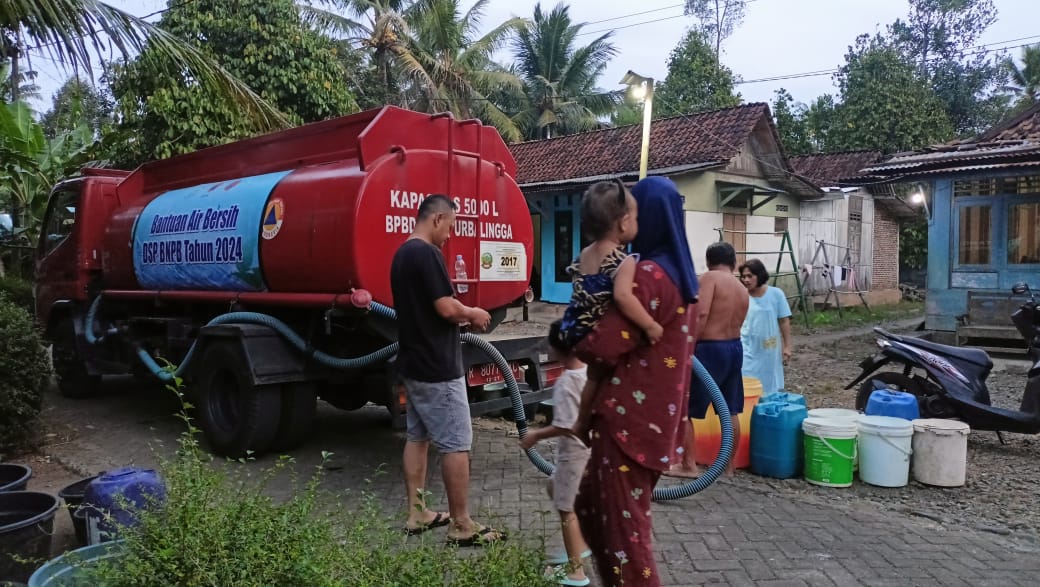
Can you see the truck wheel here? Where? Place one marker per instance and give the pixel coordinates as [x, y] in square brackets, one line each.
[299, 403]
[236, 415]
[71, 371]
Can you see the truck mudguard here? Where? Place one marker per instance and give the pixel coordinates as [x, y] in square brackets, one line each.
[270, 358]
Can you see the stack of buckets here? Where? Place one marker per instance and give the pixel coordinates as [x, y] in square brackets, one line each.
[780, 438]
[882, 443]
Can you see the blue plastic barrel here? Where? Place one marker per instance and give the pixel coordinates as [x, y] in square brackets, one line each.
[893, 403]
[783, 397]
[776, 439]
[121, 494]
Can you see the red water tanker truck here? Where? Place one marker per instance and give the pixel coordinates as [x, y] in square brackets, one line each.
[299, 227]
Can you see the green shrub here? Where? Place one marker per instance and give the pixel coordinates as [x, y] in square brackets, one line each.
[220, 528]
[19, 291]
[24, 374]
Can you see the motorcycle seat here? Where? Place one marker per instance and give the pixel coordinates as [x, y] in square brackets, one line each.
[976, 357]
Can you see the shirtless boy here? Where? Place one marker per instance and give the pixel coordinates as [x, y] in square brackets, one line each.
[721, 310]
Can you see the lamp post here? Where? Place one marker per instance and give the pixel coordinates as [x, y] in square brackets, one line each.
[642, 88]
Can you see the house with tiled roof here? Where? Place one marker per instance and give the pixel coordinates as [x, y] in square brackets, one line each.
[728, 164]
[856, 217]
[983, 202]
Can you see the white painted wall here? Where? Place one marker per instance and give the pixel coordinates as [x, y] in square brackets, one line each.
[827, 220]
[700, 231]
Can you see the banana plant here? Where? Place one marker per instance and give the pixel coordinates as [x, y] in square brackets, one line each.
[30, 164]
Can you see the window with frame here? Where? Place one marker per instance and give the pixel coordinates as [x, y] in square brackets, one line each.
[1023, 233]
[62, 218]
[994, 186]
[975, 242]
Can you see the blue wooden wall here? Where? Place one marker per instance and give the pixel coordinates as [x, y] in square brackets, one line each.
[949, 281]
[560, 241]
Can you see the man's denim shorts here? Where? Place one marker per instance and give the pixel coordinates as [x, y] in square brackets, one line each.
[439, 412]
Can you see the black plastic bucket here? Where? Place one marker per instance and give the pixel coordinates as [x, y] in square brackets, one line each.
[73, 497]
[14, 477]
[79, 524]
[26, 528]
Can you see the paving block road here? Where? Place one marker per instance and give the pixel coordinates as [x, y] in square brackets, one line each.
[728, 534]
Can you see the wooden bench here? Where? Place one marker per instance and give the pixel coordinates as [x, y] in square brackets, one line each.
[987, 324]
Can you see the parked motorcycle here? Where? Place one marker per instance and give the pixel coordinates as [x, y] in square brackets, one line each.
[950, 382]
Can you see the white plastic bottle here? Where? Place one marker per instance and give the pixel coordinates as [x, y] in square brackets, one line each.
[460, 273]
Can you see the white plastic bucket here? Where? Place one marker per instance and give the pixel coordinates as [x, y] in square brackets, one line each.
[940, 452]
[835, 414]
[839, 414]
[830, 451]
[884, 450]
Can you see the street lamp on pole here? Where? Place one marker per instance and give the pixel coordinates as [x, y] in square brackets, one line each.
[642, 88]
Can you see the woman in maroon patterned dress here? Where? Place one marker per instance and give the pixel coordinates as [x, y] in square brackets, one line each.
[632, 419]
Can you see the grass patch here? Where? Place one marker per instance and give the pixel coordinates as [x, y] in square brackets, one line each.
[830, 320]
[219, 527]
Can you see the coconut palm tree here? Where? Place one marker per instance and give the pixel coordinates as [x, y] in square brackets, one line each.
[27, 87]
[74, 31]
[377, 27]
[560, 76]
[1025, 80]
[450, 68]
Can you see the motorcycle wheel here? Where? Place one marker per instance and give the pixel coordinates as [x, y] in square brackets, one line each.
[891, 380]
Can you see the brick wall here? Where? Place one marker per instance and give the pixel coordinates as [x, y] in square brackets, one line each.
[886, 251]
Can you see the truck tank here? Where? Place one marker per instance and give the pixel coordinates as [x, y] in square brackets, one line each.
[321, 209]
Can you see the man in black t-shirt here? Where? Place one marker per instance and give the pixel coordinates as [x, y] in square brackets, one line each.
[430, 362]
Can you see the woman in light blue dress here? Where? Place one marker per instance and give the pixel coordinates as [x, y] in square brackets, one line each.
[766, 333]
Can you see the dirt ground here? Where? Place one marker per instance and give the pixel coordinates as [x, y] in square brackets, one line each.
[1000, 496]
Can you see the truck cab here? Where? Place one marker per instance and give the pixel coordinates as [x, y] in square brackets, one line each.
[69, 247]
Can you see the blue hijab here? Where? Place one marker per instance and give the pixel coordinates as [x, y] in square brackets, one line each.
[662, 233]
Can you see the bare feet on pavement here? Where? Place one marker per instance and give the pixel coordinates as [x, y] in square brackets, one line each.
[684, 471]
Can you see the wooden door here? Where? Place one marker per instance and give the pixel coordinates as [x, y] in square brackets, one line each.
[734, 227]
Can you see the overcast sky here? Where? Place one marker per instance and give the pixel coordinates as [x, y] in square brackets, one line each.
[778, 37]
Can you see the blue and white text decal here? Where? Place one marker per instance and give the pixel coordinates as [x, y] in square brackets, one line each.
[204, 237]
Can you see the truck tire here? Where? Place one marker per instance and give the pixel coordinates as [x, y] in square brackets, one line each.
[299, 404]
[237, 416]
[74, 380]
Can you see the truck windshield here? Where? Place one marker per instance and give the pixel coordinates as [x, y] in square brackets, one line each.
[61, 218]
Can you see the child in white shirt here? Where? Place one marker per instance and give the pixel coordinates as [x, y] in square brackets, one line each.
[571, 457]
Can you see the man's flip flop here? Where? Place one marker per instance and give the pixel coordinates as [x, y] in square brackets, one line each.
[479, 538]
[438, 521]
[561, 558]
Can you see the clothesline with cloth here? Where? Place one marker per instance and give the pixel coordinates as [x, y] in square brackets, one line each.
[836, 274]
[833, 274]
